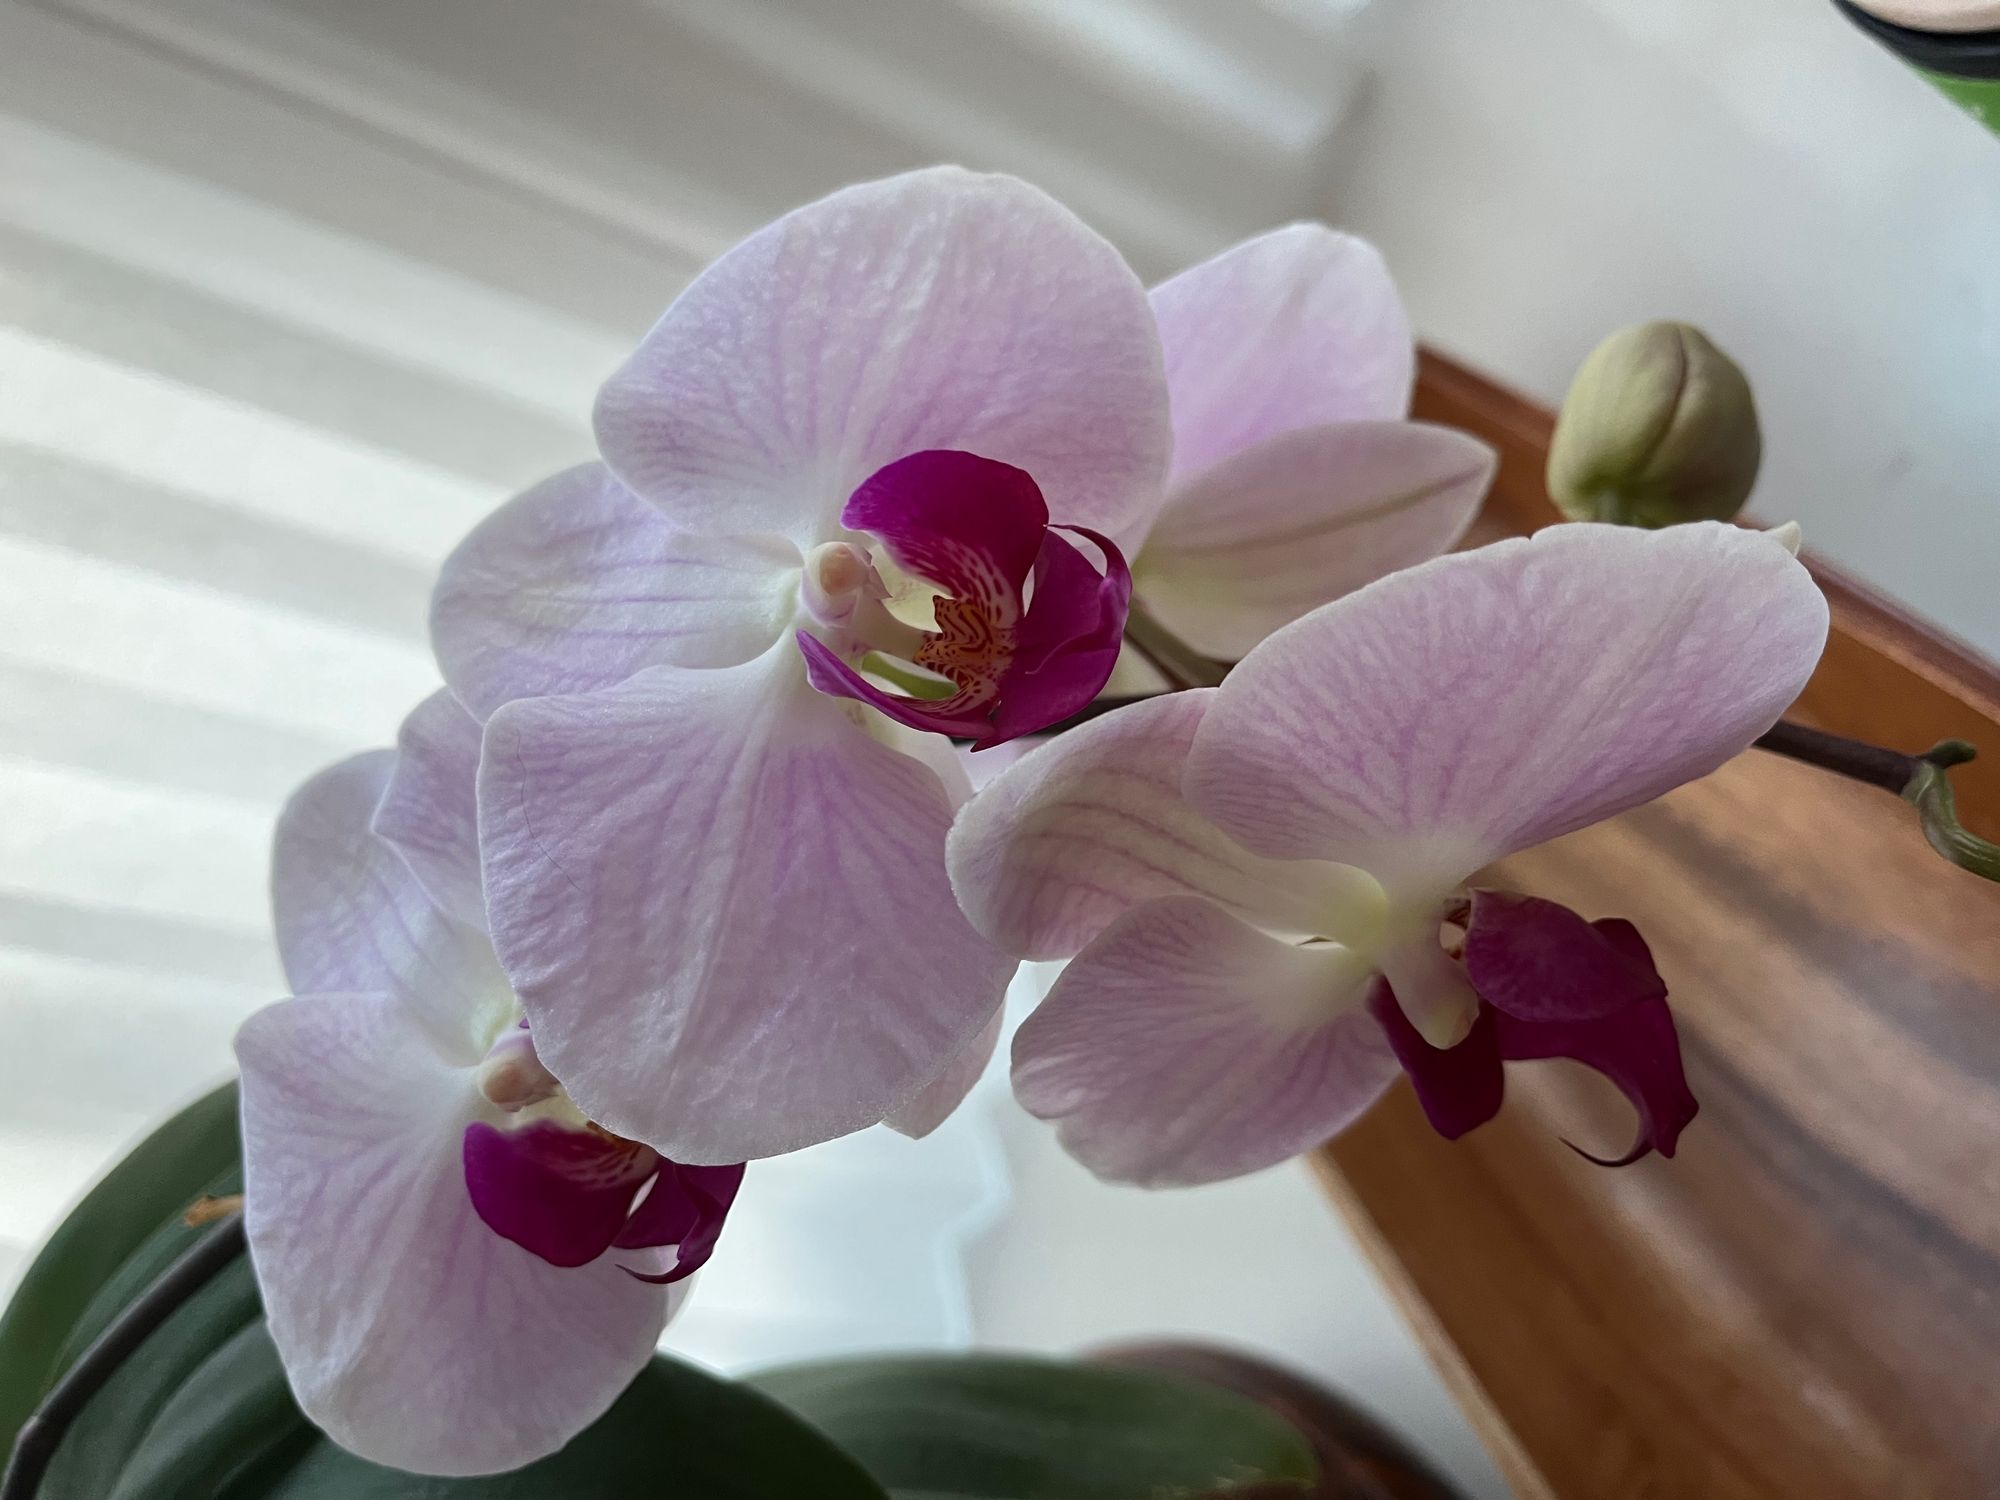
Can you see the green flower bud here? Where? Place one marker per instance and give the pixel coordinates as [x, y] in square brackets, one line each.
[1659, 427]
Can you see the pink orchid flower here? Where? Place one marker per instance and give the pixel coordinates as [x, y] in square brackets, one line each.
[860, 490]
[1264, 885]
[1296, 477]
[460, 1270]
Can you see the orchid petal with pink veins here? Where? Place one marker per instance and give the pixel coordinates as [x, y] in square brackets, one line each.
[351, 916]
[1300, 327]
[577, 583]
[1264, 536]
[428, 808]
[1183, 1046]
[943, 1094]
[784, 965]
[411, 1332]
[936, 310]
[1094, 823]
[450, 1258]
[1487, 701]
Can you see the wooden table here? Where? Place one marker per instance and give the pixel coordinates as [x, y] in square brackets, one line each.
[1805, 1302]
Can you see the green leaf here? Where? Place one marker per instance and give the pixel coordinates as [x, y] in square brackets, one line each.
[152, 1185]
[201, 1410]
[997, 1427]
[233, 1416]
[107, 1434]
[678, 1433]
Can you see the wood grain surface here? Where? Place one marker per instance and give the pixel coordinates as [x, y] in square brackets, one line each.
[1806, 1301]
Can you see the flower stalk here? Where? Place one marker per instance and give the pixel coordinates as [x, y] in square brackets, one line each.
[1169, 655]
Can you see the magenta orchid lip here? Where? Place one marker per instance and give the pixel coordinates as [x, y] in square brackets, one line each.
[1027, 628]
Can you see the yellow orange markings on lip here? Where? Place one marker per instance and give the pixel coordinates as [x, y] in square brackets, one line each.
[969, 647]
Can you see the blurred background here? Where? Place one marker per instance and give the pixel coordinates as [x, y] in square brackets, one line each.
[293, 291]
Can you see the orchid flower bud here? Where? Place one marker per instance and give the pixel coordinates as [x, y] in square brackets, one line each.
[1659, 427]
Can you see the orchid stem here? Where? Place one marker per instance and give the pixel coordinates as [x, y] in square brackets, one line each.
[1172, 657]
[36, 1443]
[1919, 780]
[1857, 760]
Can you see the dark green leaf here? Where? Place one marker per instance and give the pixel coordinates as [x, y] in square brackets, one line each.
[139, 1270]
[677, 1434]
[996, 1427]
[109, 1431]
[201, 1411]
[233, 1416]
[149, 1187]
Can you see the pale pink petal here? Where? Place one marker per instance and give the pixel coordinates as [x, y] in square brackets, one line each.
[429, 809]
[1182, 1046]
[576, 583]
[725, 910]
[1490, 700]
[1093, 823]
[351, 916]
[1262, 537]
[412, 1334]
[939, 309]
[944, 1093]
[1295, 328]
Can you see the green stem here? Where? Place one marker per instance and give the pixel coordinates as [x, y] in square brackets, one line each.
[1172, 657]
[1930, 793]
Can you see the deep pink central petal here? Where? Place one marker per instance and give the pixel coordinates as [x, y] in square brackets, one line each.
[1070, 639]
[1634, 1044]
[1537, 960]
[1637, 1048]
[1459, 1087]
[978, 530]
[562, 1193]
[685, 1209]
[973, 526]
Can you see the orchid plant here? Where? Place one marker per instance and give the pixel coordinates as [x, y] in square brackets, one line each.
[683, 868]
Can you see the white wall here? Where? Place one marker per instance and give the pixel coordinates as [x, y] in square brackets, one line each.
[1541, 171]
